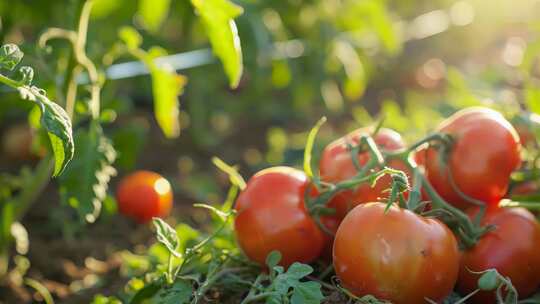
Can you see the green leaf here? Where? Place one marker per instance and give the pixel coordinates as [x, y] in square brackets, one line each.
[153, 13]
[167, 85]
[103, 8]
[307, 293]
[273, 259]
[166, 235]
[298, 270]
[130, 37]
[145, 293]
[188, 236]
[532, 98]
[217, 17]
[309, 146]
[85, 182]
[57, 124]
[302, 292]
[100, 299]
[178, 293]
[10, 56]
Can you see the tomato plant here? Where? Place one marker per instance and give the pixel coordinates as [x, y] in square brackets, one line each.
[395, 255]
[337, 165]
[143, 195]
[483, 151]
[271, 215]
[512, 248]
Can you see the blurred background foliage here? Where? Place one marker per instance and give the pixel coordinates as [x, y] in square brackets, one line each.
[407, 62]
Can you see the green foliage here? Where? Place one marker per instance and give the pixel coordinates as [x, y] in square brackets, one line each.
[302, 292]
[85, 182]
[10, 56]
[153, 13]
[178, 293]
[166, 235]
[54, 118]
[217, 17]
[167, 85]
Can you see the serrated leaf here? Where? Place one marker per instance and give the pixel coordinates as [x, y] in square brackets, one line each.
[218, 19]
[273, 259]
[166, 235]
[178, 293]
[302, 292]
[10, 56]
[298, 270]
[85, 182]
[56, 122]
[307, 293]
[153, 13]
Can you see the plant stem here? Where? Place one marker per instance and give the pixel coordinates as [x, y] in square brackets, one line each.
[10, 82]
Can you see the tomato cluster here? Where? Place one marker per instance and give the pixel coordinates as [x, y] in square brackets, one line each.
[380, 247]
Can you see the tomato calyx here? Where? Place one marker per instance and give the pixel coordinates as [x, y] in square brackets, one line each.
[492, 280]
[469, 232]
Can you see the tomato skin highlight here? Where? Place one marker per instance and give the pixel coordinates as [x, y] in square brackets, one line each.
[271, 215]
[513, 248]
[143, 195]
[336, 165]
[398, 256]
[485, 151]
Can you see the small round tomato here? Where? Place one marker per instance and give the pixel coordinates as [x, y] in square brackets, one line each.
[336, 165]
[397, 256]
[513, 248]
[484, 153]
[143, 195]
[271, 215]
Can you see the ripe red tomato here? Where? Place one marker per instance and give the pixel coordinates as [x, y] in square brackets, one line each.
[513, 248]
[331, 223]
[143, 195]
[271, 215]
[485, 151]
[397, 256]
[336, 165]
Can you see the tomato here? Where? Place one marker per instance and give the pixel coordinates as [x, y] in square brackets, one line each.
[331, 223]
[143, 195]
[271, 215]
[17, 143]
[398, 256]
[419, 156]
[484, 153]
[336, 165]
[513, 248]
